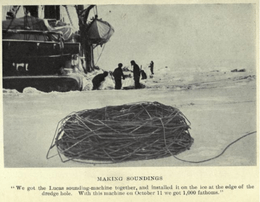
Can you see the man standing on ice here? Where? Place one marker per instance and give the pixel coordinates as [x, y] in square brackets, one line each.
[136, 72]
[118, 74]
[151, 67]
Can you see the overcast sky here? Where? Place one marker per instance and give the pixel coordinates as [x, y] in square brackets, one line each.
[189, 37]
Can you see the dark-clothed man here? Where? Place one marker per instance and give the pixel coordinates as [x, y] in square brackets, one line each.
[118, 75]
[136, 72]
[98, 79]
[151, 67]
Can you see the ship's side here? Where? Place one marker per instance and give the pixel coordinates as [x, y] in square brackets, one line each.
[36, 54]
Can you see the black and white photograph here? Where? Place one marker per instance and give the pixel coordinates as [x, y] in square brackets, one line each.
[127, 87]
[94, 86]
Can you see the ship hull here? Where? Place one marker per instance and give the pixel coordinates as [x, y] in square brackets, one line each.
[45, 83]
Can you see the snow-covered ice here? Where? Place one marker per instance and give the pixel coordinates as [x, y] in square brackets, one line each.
[220, 104]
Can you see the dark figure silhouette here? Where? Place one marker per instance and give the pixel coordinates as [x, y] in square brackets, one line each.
[151, 67]
[118, 74]
[136, 72]
[144, 76]
[98, 79]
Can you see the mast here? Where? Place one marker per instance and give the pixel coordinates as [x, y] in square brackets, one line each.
[87, 47]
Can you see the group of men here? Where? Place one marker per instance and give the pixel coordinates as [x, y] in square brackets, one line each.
[118, 75]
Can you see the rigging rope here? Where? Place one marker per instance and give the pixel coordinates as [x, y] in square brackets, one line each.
[100, 54]
[66, 8]
[96, 10]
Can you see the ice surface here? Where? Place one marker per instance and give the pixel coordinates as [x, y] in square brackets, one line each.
[220, 105]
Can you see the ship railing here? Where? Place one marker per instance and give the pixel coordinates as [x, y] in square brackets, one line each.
[53, 36]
